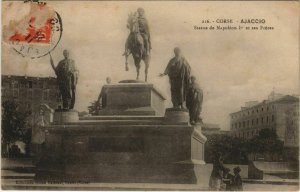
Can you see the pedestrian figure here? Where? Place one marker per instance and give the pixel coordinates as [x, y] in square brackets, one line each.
[237, 184]
[227, 180]
[217, 173]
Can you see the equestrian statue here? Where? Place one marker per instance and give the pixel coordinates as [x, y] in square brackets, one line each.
[138, 42]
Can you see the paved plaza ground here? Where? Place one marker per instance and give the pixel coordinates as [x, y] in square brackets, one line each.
[18, 174]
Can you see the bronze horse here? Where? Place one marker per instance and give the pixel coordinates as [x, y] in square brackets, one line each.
[135, 46]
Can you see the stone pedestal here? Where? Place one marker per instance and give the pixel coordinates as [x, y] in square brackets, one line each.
[60, 117]
[177, 115]
[124, 148]
[132, 99]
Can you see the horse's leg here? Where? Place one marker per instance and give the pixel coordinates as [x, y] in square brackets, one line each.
[137, 62]
[126, 63]
[146, 61]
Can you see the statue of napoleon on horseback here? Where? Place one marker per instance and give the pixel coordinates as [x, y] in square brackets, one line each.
[138, 42]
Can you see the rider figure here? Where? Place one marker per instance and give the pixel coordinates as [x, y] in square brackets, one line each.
[144, 29]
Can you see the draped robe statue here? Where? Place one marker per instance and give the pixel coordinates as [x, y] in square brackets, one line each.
[194, 101]
[178, 71]
[67, 76]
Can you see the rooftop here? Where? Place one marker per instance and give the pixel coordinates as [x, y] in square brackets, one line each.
[272, 98]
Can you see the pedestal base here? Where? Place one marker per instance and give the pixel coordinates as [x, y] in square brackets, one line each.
[177, 115]
[124, 148]
[65, 116]
[131, 98]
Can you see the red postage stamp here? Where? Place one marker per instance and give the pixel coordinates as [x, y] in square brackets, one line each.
[37, 33]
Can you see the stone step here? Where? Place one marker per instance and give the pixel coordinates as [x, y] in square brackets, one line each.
[122, 117]
[27, 184]
[117, 122]
[122, 122]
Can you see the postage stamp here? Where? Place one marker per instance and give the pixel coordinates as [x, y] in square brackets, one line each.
[37, 33]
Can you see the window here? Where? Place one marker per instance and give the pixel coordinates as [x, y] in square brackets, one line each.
[267, 108]
[45, 85]
[58, 96]
[267, 119]
[3, 92]
[40, 84]
[29, 108]
[45, 95]
[30, 84]
[273, 118]
[262, 109]
[257, 110]
[252, 122]
[239, 124]
[15, 84]
[248, 123]
[262, 120]
[15, 93]
[257, 121]
[29, 94]
[6, 84]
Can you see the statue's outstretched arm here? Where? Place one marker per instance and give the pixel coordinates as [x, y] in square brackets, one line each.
[52, 63]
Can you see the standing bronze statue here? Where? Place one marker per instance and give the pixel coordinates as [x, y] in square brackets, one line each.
[138, 42]
[67, 76]
[178, 70]
[194, 101]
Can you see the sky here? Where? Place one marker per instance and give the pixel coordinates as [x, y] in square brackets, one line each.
[232, 67]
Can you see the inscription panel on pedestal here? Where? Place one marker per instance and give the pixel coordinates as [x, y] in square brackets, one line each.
[116, 144]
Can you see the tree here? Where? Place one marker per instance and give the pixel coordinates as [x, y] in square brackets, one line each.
[266, 141]
[236, 150]
[233, 149]
[13, 125]
[94, 108]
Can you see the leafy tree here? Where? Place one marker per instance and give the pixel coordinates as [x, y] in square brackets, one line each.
[266, 141]
[13, 125]
[236, 150]
[233, 149]
[94, 108]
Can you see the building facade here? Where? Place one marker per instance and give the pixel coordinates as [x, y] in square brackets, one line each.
[292, 126]
[273, 113]
[31, 92]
